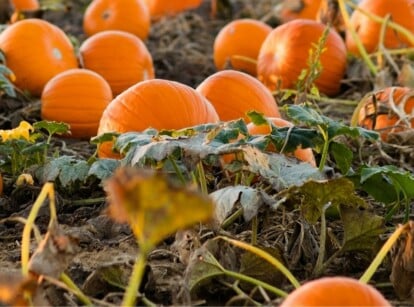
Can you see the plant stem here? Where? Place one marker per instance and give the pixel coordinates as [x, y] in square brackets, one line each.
[177, 170]
[202, 178]
[365, 278]
[254, 230]
[321, 98]
[72, 286]
[325, 149]
[136, 277]
[230, 220]
[322, 243]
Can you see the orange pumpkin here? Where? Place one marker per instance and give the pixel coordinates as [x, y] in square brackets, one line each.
[368, 30]
[305, 154]
[234, 93]
[126, 15]
[241, 37]
[285, 53]
[160, 8]
[335, 291]
[25, 5]
[376, 111]
[156, 103]
[120, 57]
[36, 51]
[329, 13]
[77, 97]
[298, 9]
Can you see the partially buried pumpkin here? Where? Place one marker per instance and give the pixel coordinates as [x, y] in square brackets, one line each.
[234, 93]
[157, 103]
[77, 97]
[285, 54]
[36, 51]
[118, 56]
[386, 111]
[126, 15]
[238, 43]
[335, 291]
[160, 8]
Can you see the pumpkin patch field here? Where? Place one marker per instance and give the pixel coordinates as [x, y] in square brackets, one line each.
[206, 152]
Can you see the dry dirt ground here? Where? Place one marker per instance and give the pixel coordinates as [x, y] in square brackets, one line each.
[181, 47]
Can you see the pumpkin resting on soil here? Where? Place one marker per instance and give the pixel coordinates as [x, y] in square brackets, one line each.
[234, 93]
[304, 154]
[125, 15]
[335, 291]
[368, 30]
[156, 103]
[241, 37]
[160, 8]
[377, 110]
[118, 56]
[77, 97]
[285, 53]
[36, 51]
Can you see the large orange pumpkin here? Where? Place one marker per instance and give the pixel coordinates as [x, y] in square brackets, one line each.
[368, 30]
[77, 97]
[377, 113]
[241, 37]
[285, 53]
[156, 103]
[36, 51]
[234, 93]
[120, 57]
[298, 9]
[335, 291]
[305, 154]
[25, 5]
[160, 8]
[126, 15]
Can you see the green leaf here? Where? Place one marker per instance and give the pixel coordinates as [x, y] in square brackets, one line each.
[361, 229]
[104, 137]
[342, 155]
[65, 168]
[314, 196]
[52, 127]
[304, 114]
[257, 118]
[103, 168]
[290, 138]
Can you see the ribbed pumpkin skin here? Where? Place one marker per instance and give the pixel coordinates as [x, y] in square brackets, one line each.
[381, 113]
[77, 97]
[241, 37]
[36, 51]
[303, 9]
[401, 11]
[285, 52]
[25, 5]
[126, 15]
[234, 93]
[120, 57]
[305, 155]
[156, 103]
[160, 8]
[335, 291]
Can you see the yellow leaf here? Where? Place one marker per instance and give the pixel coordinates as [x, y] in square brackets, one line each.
[152, 206]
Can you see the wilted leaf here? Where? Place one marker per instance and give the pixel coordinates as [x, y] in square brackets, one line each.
[313, 196]
[152, 206]
[361, 228]
[250, 199]
[342, 155]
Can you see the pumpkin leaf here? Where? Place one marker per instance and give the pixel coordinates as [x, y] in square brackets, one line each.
[103, 168]
[52, 127]
[313, 196]
[361, 229]
[104, 137]
[227, 198]
[342, 155]
[257, 118]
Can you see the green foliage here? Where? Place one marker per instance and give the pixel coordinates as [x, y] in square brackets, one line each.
[6, 78]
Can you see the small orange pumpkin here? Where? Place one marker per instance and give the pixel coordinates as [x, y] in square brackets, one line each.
[156, 103]
[36, 51]
[77, 97]
[234, 93]
[376, 112]
[305, 154]
[120, 57]
[25, 5]
[126, 15]
[241, 37]
[160, 8]
[285, 53]
[298, 9]
[368, 30]
[335, 291]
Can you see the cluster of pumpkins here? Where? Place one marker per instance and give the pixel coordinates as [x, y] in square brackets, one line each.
[109, 84]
